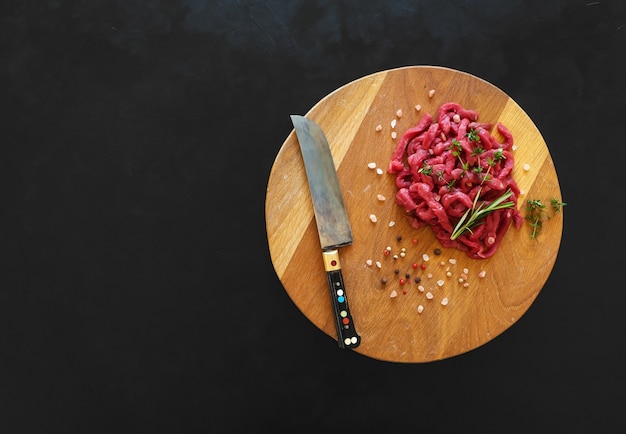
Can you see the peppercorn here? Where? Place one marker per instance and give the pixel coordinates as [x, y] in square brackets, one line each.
[437, 251]
[383, 280]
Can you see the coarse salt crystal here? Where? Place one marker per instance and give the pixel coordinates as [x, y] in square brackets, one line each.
[425, 257]
[393, 123]
[379, 171]
[379, 127]
[452, 261]
[418, 107]
[373, 218]
[369, 262]
[431, 93]
[482, 274]
[444, 301]
[378, 264]
[392, 223]
[514, 147]
[465, 271]
[399, 113]
[429, 295]
[371, 165]
[381, 198]
[393, 294]
[526, 167]
[420, 309]
[394, 134]
[440, 282]
[420, 288]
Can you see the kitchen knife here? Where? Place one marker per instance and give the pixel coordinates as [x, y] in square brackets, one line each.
[333, 226]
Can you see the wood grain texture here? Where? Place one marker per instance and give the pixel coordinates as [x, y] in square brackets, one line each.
[391, 327]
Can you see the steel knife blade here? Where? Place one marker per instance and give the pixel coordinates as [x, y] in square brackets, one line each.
[331, 217]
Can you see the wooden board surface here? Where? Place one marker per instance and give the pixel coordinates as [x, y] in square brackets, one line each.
[391, 327]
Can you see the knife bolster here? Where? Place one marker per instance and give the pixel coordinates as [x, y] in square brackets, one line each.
[331, 260]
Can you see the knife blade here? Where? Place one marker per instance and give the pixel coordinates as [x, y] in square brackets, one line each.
[331, 217]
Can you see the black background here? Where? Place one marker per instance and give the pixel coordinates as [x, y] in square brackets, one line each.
[136, 289]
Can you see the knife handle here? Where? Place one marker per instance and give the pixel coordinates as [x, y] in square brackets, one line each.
[347, 336]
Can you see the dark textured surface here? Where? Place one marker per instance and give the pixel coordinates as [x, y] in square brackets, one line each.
[136, 289]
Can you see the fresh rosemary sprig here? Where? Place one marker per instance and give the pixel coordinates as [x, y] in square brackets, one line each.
[476, 213]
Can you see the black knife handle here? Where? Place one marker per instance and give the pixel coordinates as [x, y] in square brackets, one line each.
[347, 336]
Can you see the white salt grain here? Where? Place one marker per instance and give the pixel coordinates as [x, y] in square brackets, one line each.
[444, 301]
[399, 113]
[420, 288]
[369, 262]
[425, 257]
[381, 198]
[429, 295]
[394, 135]
[440, 282]
[418, 107]
[482, 274]
[379, 171]
[526, 167]
[378, 264]
[420, 309]
[393, 123]
[452, 261]
[392, 223]
[393, 294]
[373, 218]
[431, 93]
[371, 165]
[379, 127]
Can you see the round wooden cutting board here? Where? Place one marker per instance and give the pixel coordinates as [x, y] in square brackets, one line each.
[391, 327]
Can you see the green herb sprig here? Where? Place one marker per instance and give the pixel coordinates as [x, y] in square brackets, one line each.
[477, 212]
[556, 204]
[536, 214]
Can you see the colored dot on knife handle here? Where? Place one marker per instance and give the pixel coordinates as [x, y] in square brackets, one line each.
[333, 263]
